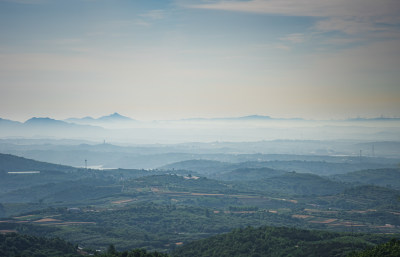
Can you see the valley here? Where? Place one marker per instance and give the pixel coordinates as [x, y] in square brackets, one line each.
[177, 204]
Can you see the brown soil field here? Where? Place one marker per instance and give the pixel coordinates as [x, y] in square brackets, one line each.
[46, 220]
[323, 221]
[66, 223]
[7, 231]
[207, 194]
[123, 201]
[302, 216]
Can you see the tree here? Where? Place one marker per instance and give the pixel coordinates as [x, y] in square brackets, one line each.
[111, 249]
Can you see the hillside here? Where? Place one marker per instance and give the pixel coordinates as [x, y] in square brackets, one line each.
[15, 245]
[66, 191]
[293, 183]
[211, 167]
[201, 166]
[248, 174]
[12, 244]
[278, 241]
[367, 197]
[325, 168]
[10, 162]
[391, 248]
[379, 177]
[45, 173]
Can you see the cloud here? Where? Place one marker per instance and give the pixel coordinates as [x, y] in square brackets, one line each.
[349, 17]
[154, 14]
[313, 8]
[147, 19]
[142, 23]
[294, 38]
[283, 47]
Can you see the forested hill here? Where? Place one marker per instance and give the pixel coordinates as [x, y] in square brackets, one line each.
[379, 177]
[391, 249]
[16, 245]
[209, 167]
[248, 174]
[293, 183]
[264, 241]
[274, 241]
[12, 244]
[10, 162]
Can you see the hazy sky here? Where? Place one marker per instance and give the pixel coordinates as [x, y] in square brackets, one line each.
[177, 59]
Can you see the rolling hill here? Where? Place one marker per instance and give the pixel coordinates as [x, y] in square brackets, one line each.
[277, 241]
[380, 177]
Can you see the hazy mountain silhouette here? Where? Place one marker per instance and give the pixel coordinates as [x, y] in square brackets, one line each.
[242, 118]
[115, 117]
[35, 121]
[108, 119]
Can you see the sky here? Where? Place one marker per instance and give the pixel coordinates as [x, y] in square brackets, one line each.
[172, 59]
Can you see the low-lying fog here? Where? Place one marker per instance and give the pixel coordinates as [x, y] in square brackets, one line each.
[206, 130]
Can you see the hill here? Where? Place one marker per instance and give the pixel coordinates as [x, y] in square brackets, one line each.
[211, 167]
[67, 191]
[200, 166]
[293, 183]
[367, 197]
[380, 177]
[278, 241]
[372, 195]
[391, 248]
[10, 162]
[324, 168]
[43, 173]
[248, 174]
[12, 244]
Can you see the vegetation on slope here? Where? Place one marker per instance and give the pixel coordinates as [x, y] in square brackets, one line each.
[278, 241]
[380, 177]
[389, 249]
[12, 244]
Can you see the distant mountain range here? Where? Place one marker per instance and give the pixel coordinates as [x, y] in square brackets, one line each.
[48, 128]
[118, 118]
[117, 127]
[43, 124]
[115, 117]
[374, 119]
[241, 118]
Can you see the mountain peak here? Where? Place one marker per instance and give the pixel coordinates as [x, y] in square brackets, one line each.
[115, 116]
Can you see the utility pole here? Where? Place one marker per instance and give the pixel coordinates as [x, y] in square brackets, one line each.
[85, 164]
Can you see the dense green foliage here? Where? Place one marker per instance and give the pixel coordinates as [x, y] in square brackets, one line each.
[307, 165]
[12, 244]
[389, 249]
[249, 174]
[17, 245]
[150, 226]
[380, 177]
[83, 189]
[292, 183]
[277, 241]
[112, 252]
